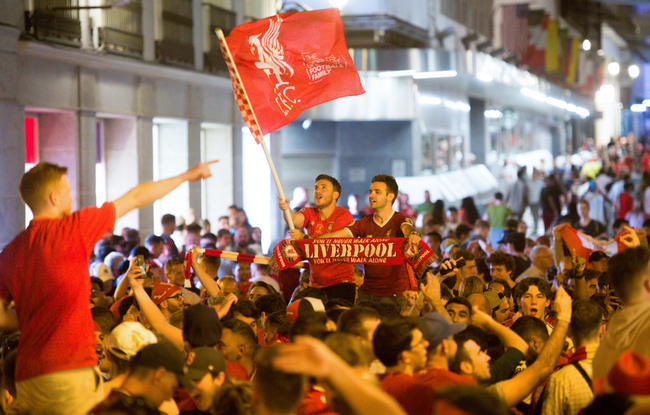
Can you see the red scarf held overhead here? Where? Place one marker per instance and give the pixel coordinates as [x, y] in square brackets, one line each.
[376, 251]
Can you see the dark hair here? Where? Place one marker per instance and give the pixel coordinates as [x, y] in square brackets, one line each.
[241, 329]
[586, 319]
[391, 184]
[470, 333]
[445, 292]
[471, 213]
[140, 250]
[348, 348]
[35, 183]
[391, 339]
[464, 254]
[435, 236]
[246, 308]
[507, 290]
[172, 262]
[524, 285]
[269, 288]
[333, 314]
[152, 240]
[627, 270]
[223, 232]
[270, 303]
[528, 326]
[461, 230]
[309, 324]
[168, 218]
[279, 391]
[351, 321]
[498, 196]
[277, 318]
[212, 261]
[335, 183]
[501, 258]
[460, 300]
[210, 236]
[104, 317]
[124, 305]
[234, 397]
[619, 222]
[387, 310]
[98, 281]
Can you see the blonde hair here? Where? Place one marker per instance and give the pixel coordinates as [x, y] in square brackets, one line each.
[34, 186]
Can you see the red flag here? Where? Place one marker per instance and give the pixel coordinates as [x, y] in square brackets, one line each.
[584, 246]
[287, 63]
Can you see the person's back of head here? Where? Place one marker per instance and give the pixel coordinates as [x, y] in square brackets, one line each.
[278, 392]
[352, 321]
[152, 240]
[270, 303]
[235, 397]
[309, 324]
[481, 302]
[36, 185]
[586, 321]
[104, 317]
[628, 271]
[348, 348]
[312, 292]
[471, 285]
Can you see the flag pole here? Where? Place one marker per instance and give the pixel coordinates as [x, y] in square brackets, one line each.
[256, 131]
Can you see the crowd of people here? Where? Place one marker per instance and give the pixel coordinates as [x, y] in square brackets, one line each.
[500, 323]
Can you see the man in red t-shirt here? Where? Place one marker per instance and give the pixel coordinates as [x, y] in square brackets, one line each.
[336, 280]
[44, 270]
[383, 281]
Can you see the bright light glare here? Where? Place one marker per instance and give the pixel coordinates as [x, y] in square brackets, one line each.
[583, 112]
[586, 44]
[614, 68]
[533, 94]
[493, 114]
[646, 102]
[395, 74]
[482, 76]
[425, 99]
[606, 93]
[556, 102]
[435, 74]
[338, 3]
[638, 108]
[633, 71]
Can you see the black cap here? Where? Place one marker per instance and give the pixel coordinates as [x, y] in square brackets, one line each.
[204, 360]
[163, 354]
[201, 326]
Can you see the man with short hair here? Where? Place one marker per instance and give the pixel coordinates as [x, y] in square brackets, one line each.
[238, 343]
[459, 309]
[168, 222]
[533, 296]
[598, 261]
[155, 372]
[336, 280]
[502, 266]
[51, 352]
[361, 322]
[629, 328]
[401, 347]
[224, 243]
[175, 274]
[515, 245]
[441, 352]
[383, 281]
[277, 392]
[542, 260]
[569, 389]
[228, 285]
[206, 370]
[168, 298]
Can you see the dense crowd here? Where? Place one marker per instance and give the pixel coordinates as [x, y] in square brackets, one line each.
[510, 318]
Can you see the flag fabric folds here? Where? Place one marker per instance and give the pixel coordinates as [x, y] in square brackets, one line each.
[287, 63]
[584, 244]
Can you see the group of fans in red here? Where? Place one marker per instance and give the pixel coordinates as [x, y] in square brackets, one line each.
[522, 327]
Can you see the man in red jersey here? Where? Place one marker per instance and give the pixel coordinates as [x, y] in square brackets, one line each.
[383, 281]
[336, 280]
[45, 271]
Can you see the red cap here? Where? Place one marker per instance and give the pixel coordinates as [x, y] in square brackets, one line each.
[162, 291]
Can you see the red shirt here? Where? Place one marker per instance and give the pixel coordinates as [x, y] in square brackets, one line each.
[624, 204]
[45, 270]
[436, 377]
[329, 274]
[385, 280]
[416, 398]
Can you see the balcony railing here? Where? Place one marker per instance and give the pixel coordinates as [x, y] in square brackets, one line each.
[372, 31]
[176, 46]
[121, 31]
[219, 19]
[44, 22]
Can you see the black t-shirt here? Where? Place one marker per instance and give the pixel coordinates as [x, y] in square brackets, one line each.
[593, 228]
[521, 265]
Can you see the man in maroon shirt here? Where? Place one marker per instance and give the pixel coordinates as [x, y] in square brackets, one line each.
[44, 270]
[383, 281]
